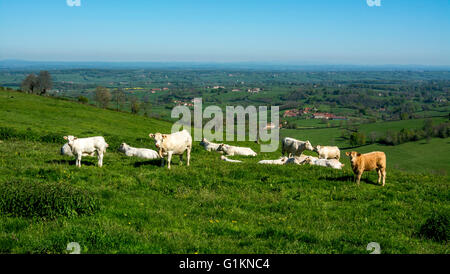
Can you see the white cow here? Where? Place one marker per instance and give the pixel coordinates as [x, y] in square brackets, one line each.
[333, 163]
[173, 144]
[66, 150]
[209, 146]
[284, 161]
[328, 152]
[229, 160]
[280, 161]
[138, 152]
[83, 146]
[294, 147]
[234, 150]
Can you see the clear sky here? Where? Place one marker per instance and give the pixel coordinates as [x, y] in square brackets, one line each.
[293, 31]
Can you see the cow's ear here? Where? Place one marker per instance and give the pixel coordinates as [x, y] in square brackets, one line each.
[65, 137]
[358, 154]
[151, 135]
[347, 153]
[75, 138]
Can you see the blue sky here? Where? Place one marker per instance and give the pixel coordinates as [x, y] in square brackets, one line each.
[298, 31]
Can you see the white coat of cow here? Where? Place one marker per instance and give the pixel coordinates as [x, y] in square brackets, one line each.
[144, 153]
[173, 144]
[333, 163]
[224, 158]
[294, 147]
[328, 152]
[209, 146]
[66, 150]
[234, 150]
[83, 146]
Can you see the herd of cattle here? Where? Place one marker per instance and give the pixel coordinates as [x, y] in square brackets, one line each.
[180, 142]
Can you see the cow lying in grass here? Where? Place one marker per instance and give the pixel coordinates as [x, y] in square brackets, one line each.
[367, 162]
[209, 146]
[333, 163]
[144, 153]
[233, 150]
[87, 146]
[173, 144]
[223, 158]
[284, 161]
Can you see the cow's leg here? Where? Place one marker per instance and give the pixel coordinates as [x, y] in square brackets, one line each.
[358, 177]
[188, 155]
[181, 159]
[169, 158]
[162, 161]
[379, 175]
[100, 158]
[384, 176]
[78, 161]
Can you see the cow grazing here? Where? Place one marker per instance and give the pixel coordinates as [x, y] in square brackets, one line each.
[333, 163]
[209, 146]
[294, 147]
[173, 144]
[367, 162]
[144, 153]
[87, 146]
[328, 152]
[229, 160]
[233, 150]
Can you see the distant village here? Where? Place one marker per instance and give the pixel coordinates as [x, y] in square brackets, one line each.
[311, 113]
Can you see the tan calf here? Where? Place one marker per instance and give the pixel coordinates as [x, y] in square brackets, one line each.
[367, 162]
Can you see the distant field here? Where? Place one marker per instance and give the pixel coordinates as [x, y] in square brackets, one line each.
[209, 207]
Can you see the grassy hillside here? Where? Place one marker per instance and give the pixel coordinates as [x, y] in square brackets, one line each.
[135, 206]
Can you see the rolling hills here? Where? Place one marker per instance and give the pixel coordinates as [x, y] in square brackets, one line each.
[135, 206]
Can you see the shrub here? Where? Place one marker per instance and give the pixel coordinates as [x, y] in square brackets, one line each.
[45, 200]
[436, 227]
[83, 99]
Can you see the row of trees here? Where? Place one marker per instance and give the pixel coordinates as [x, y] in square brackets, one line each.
[118, 97]
[428, 131]
[37, 84]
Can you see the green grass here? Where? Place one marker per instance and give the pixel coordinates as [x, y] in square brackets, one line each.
[209, 207]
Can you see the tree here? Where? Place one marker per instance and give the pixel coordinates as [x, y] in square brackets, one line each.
[146, 105]
[44, 82]
[29, 84]
[102, 96]
[119, 98]
[135, 105]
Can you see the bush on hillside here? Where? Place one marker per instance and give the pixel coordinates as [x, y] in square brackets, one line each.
[436, 227]
[45, 200]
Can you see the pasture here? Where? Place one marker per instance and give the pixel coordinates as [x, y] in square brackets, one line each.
[134, 206]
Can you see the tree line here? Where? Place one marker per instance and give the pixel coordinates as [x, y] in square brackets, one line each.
[37, 84]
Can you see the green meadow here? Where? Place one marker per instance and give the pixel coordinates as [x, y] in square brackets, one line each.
[133, 205]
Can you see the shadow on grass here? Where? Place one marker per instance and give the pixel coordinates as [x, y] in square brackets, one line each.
[70, 162]
[156, 162]
[350, 178]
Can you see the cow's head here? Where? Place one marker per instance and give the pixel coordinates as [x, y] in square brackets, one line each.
[308, 146]
[353, 156]
[159, 138]
[220, 147]
[70, 138]
[123, 147]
